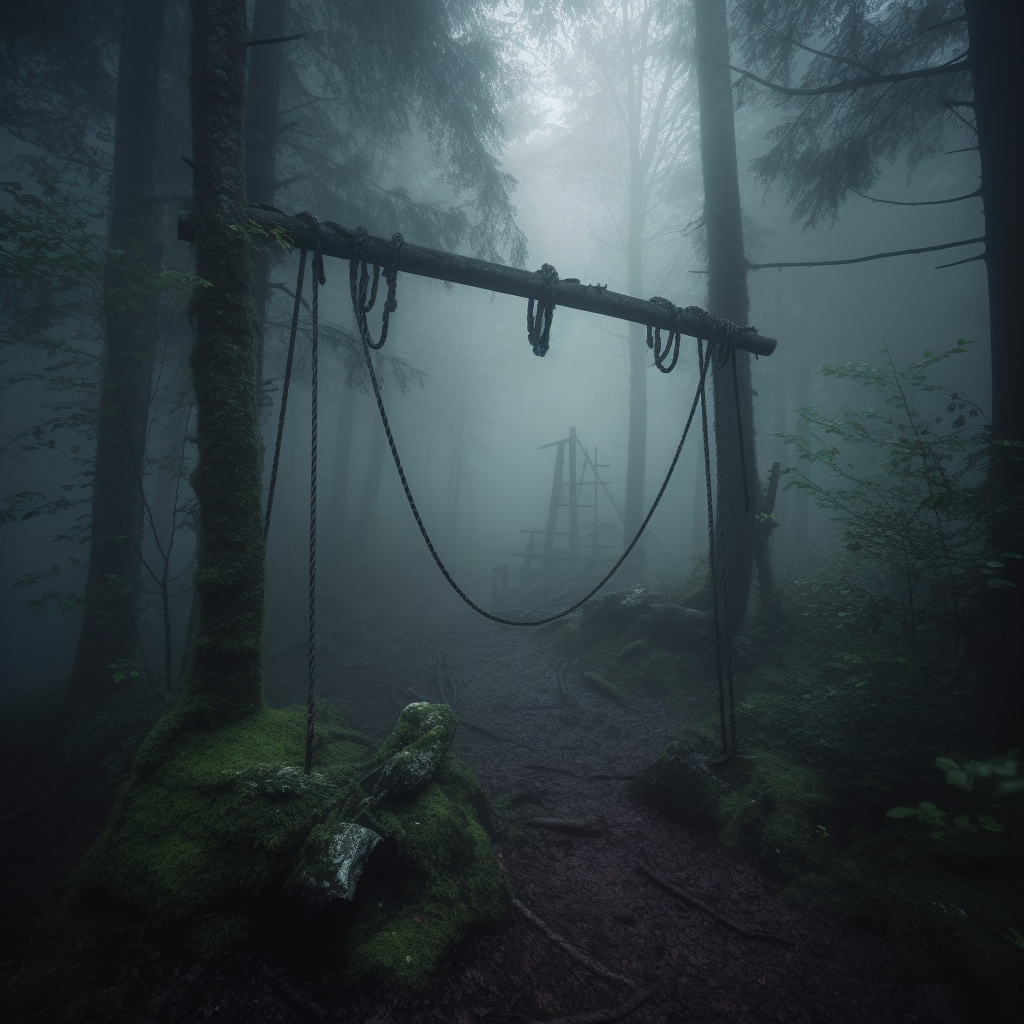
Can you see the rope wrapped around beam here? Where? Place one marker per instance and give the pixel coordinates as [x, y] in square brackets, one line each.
[343, 243]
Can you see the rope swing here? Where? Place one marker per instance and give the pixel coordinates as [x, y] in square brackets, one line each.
[718, 334]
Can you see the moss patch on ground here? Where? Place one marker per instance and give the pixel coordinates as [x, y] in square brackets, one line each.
[643, 643]
[946, 899]
[208, 834]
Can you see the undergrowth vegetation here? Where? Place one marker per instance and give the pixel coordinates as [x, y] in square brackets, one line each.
[863, 782]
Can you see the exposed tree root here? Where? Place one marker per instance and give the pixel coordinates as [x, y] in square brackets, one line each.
[614, 1012]
[577, 954]
[733, 926]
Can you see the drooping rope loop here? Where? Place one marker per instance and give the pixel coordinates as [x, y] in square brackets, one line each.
[671, 345]
[437, 558]
[538, 328]
[359, 281]
[286, 384]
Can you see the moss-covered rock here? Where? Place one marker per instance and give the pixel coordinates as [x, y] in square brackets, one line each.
[219, 838]
[765, 808]
[207, 827]
[776, 813]
[683, 784]
[437, 881]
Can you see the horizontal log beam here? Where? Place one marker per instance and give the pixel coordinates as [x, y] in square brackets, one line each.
[340, 242]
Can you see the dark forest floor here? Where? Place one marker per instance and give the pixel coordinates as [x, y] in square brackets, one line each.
[587, 889]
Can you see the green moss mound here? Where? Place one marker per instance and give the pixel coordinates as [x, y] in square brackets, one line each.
[436, 881]
[208, 836]
[946, 901]
[211, 824]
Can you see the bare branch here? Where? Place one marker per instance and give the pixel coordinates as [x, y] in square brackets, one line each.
[278, 39]
[861, 259]
[923, 202]
[970, 259]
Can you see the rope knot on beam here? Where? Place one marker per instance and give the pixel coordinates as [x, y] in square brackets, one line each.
[538, 329]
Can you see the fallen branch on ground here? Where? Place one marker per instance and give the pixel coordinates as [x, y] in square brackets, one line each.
[568, 947]
[682, 894]
[615, 1012]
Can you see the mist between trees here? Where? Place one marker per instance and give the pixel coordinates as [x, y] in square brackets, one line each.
[581, 135]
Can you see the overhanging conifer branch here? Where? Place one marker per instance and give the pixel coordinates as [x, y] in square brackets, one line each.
[960, 63]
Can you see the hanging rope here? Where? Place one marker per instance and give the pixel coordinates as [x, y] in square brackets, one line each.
[284, 394]
[704, 361]
[726, 332]
[357, 269]
[318, 279]
[538, 329]
[654, 339]
[698, 396]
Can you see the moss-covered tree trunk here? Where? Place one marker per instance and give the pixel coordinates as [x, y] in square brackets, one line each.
[262, 128]
[108, 642]
[225, 682]
[727, 297]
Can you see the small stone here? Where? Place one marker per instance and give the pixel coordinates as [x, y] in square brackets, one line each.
[330, 864]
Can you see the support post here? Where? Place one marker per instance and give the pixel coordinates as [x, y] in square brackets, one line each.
[556, 500]
[574, 532]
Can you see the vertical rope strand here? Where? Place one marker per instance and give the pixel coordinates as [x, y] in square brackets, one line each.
[739, 430]
[284, 393]
[712, 561]
[723, 546]
[318, 279]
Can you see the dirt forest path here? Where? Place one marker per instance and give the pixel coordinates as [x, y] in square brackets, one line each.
[669, 961]
[677, 962]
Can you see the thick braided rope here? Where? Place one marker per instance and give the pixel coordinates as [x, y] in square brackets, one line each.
[705, 360]
[318, 279]
[723, 576]
[437, 558]
[739, 430]
[284, 394]
[359, 277]
[538, 330]
[654, 338]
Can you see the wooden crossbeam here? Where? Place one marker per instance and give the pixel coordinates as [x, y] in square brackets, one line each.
[340, 242]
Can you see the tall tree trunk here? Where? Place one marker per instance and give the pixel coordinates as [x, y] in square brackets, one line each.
[727, 297]
[636, 453]
[262, 127]
[636, 458]
[801, 504]
[455, 469]
[225, 683]
[109, 633]
[994, 31]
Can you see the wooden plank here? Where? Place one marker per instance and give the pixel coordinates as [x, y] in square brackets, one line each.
[340, 242]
